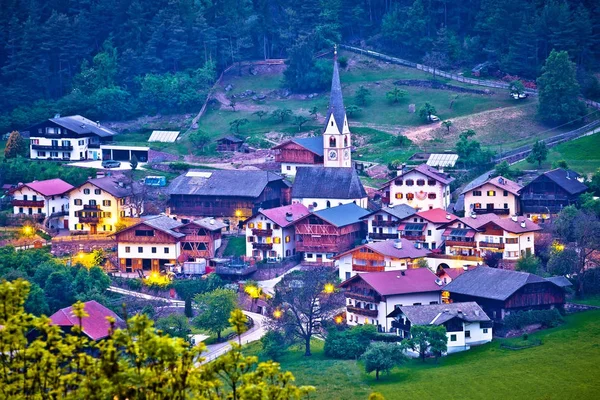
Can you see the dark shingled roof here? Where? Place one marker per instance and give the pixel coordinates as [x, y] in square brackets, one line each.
[437, 314]
[491, 283]
[165, 224]
[82, 125]
[223, 183]
[111, 186]
[400, 211]
[343, 215]
[314, 144]
[567, 179]
[231, 138]
[560, 281]
[327, 183]
[336, 100]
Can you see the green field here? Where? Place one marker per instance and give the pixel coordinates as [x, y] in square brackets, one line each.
[563, 367]
[236, 246]
[582, 155]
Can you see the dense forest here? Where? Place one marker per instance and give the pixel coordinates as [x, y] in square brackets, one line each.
[120, 58]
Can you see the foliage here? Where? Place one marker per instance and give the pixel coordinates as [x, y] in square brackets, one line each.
[528, 263]
[214, 309]
[492, 259]
[469, 150]
[591, 281]
[314, 111]
[188, 311]
[15, 146]
[520, 319]
[426, 111]
[382, 357]
[134, 162]
[503, 169]
[447, 124]
[24, 170]
[362, 95]
[238, 321]
[304, 73]
[260, 114]
[539, 153]
[395, 95]
[562, 262]
[349, 343]
[281, 114]
[422, 263]
[273, 345]
[175, 325]
[198, 138]
[401, 141]
[343, 61]
[516, 87]
[353, 110]
[428, 338]
[188, 288]
[234, 125]
[300, 120]
[594, 183]
[135, 363]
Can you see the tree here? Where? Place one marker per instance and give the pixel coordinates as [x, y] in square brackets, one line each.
[349, 343]
[300, 120]
[200, 139]
[469, 150]
[273, 345]
[134, 162]
[260, 114]
[447, 124]
[503, 169]
[594, 183]
[362, 95]
[492, 259]
[558, 90]
[353, 110]
[539, 153]
[516, 88]
[281, 114]
[314, 111]
[422, 263]
[234, 125]
[425, 338]
[305, 304]
[187, 310]
[382, 357]
[239, 323]
[528, 263]
[150, 364]
[214, 309]
[395, 95]
[175, 325]
[427, 111]
[15, 146]
[232, 103]
[562, 261]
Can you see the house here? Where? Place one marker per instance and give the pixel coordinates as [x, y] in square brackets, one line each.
[466, 323]
[370, 297]
[387, 255]
[231, 196]
[202, 238]
[97, 205]
[68, 138]
[500, 292]
[319, 188]
[422, 187]
[270, 233]
[47, 199]
[496, 195]
[299, 152]
[550, 192]
[229, 143]
[323, 234]
[423, 227]
[95, 325]
[383, 223]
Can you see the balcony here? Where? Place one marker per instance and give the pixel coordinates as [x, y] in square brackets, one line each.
[363, 311]
[419, 238]
[383, 236]
[368, 268]
[60, 213]
[262, 246]
[381, 223]
[491, 245]
[28, 203]
[262, 232]
[498, 211]
[93, 145]
[51, 148]
[371, 298]
[90, 207]
[460, 243]
[401, 326]
[89, 220]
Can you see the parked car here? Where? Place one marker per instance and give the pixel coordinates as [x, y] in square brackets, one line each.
[110, 164]
[434, 118]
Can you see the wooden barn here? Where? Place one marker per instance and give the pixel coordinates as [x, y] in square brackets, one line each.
[299, 152]
[500, 292]
[551, 192]
[202, 238]
[229, 143]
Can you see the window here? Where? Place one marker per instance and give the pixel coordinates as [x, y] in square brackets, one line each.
[416, 304]
[250, 239]
[288, 167]
[39, 210]
[287, 239]
[78, 202]
[251, 225]
[331, 142]
[41, 154]
[140, 249]
[398, 182]
[86, 191]
[477, 205]
[428, 232]
[431, 182]
[166, 250]
[54, 154]
[328, 204]
[309, 255]
[20, 210]
[81, 142]
[506, 205]
[122, 213]
[92, 202]
[106, 203]
[277, 240]
[107, 228]
[420, 182]
[453, 338]
[127, 249]
[476, 192]
[431, 196]
[25, 197]
[143, 232]
[512, 240]
[506, 193]
[529, 238]
[467, 334]
[491, 193]
[97, 191]
[154, 250]
[433, 302]
[399, 195]
[410, 196]
[410, 182]
[485, 330]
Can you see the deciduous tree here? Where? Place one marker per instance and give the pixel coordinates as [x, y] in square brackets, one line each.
[362, 95]
[15, 146]
[539, 153]
[395, 95]
[425, 338]
[427, 111]
[382, 357]
[214, 309]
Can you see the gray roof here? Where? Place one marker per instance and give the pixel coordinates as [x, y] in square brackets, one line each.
[567, 179]
[400, 211]
[491, 283]
[111, 185]
[437, 314]
[82, 125]
[336, 99]
[165, 224]
[314, 144]
[327, 183]
[210, 223]
[560, 281]
[231, 138]
[343, 215]
[224, 183]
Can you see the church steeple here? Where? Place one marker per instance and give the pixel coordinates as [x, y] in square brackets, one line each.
[336, 135]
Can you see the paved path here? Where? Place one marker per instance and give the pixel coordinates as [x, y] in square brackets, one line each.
[268, 286]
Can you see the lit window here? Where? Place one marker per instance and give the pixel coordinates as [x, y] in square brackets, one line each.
[251, 225]
[106, 203]
[287, 239]
[399, 195]
[277, 240]
[410, 196]
[491, 193]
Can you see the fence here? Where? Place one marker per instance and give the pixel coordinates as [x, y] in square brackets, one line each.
[82, 238]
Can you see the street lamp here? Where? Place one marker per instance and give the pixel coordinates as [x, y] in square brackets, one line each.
[277, 314]
[329, 288]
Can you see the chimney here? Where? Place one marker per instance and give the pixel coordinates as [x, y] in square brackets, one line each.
[473, 215]
[97, 123]
[448, 216]
[56, 115]
[398, 243]
[289, 217]
[465, 267]
[514, 218]
[212, 221]
[523, 225]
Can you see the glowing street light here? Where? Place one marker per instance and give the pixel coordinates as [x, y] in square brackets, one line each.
[338, 320]
[277, 314]
[329, 288]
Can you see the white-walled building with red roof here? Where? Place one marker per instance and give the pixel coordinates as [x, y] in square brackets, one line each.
[44, 199]
[422, 227]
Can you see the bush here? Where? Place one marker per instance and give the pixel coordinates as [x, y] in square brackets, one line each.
[134, 284]
[350, 343]
[591, 281]
[520, 319]
[343, 61]
[179, 166]
[273, 344]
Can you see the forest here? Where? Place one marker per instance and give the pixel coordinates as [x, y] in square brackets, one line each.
[116, 59]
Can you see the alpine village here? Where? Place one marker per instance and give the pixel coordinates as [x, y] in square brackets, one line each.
[269, 199]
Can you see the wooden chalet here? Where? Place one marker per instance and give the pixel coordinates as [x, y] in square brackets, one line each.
[500, 292]
[229, 143]
[202, 238]
[299, 152]
[550, 192]
[325, 233]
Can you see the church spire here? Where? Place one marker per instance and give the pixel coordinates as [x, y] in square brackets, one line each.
[336, 100]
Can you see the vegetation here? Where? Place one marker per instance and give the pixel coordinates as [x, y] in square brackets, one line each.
[427, 111]
[362, 95]
[236, 246]
[214, 309]
[428, 338]
[24, 170]
[382, 357]
[15, 146]
[273, 345]
[528, 263]
[349, 343]
[395, 95]
[175, 325]
[520, 319]
[539, 153]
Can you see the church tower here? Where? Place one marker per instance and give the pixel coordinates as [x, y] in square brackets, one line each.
[336, 134]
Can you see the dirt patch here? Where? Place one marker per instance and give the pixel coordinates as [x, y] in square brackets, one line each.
[440, 86]
[148, 122]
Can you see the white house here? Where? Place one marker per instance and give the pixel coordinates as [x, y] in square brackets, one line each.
[46, 199]
[97, 205]
[422, 227]
[383, 223]
[422, 187]
[270, 233]
[466, 323]
[371, 297]
[496, 195]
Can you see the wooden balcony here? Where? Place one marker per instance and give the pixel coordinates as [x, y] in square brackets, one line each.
[262, 232]
[460, 243]
[51, 148]
[262, 246]
[371, 298]
[90, 207]
[363, 311]
[453, 257]
[498, 211]
[89, 219]
[381, 223]
[28, 203]
[420, 238]
[367, 268]
[491, 245]
[383, 236]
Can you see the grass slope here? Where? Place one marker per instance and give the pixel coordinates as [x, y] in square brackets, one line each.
[564, 367]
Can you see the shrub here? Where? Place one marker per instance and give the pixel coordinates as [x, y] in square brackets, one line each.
[343, 61]
[520, 319]
[180, 166]
[134, 284]
[273, 344]
[349, 343]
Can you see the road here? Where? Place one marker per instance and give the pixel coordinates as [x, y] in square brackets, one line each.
[268, 286]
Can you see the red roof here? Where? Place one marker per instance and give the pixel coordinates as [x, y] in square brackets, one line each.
[95, 325]
[521, 225]
[387, 248]
[50, 187]
[501, 183]
[437, 216]
[408, 281]
[426, 170]
[279, 215]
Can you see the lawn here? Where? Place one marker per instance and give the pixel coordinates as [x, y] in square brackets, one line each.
[236, 246]
[582, 155]
[563, 367]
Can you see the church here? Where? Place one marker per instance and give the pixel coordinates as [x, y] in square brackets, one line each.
[324, 176]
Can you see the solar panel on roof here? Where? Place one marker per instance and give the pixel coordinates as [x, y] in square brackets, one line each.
[442, 160]
[459, 232]
[164, 136]
[414, 227]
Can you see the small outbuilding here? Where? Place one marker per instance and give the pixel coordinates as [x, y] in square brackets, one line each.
[229, 143]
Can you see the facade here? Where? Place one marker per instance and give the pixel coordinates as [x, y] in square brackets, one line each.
[231, 196]
[371, 297]
[229, 143]
[202, 238]
[97, 205]
[300, 152]
[320, 188]
[466, 323]
[388, 255]
[500, 292]
[383, 224]
[550, 192]
[497, 195]
[423, 227]
[47, 200]
[68, 138]
[422, 187]
[270, 234]
[323, 234]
